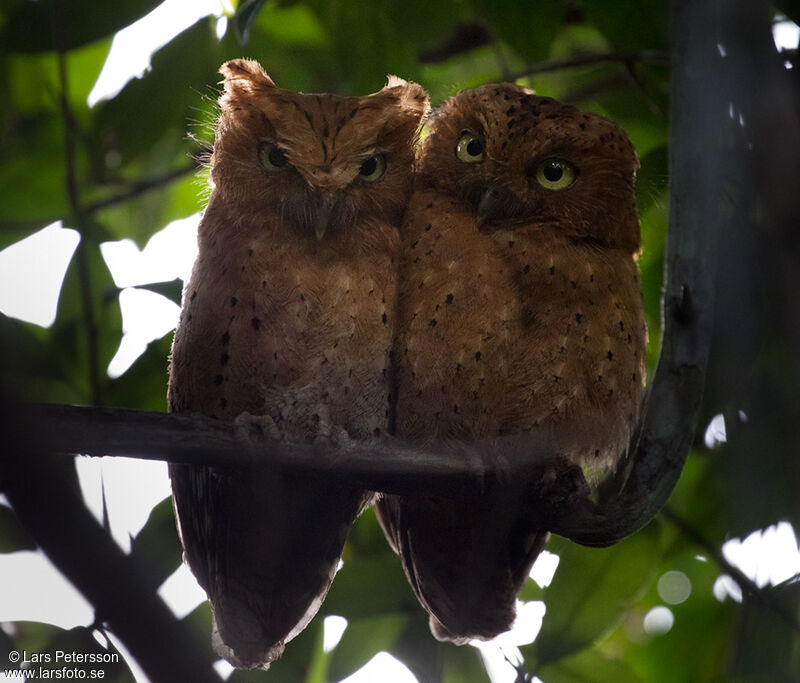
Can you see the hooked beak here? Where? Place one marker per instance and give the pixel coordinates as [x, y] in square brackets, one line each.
[488, 208]
[498, 205]
[322, 216]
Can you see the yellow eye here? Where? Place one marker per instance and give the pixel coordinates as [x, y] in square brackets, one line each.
[555, 174]
[272, 157]
[469, 148]
[373, 168]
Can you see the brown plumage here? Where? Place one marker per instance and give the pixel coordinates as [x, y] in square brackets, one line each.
[288, 316]
[519, 309]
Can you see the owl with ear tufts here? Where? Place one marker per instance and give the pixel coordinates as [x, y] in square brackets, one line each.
[519, 314]
[287, 321]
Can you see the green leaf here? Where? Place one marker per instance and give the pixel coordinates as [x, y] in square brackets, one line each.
[419, 650]
[199, 620]
[245, 15]
[172, 290]
[631, 24]
[362, 639]
[531, 591]
[13, 536]
[34, 153]
[591, 588]
[144, 384]
[701, 632]
[158, 545]
[463, 665]
[48, 24]
[589, 666]
[766, 646]
[144, 214]
[370, 587]
[88, 287]
[151, 114]
[365, 44]
[527, 27]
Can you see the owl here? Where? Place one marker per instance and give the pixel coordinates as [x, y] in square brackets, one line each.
[519, 311]
[288, 320]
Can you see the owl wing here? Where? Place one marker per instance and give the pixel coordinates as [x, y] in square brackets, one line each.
[465, 561]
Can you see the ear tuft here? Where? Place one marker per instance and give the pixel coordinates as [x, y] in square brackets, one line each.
[410, 96]
[244, 76]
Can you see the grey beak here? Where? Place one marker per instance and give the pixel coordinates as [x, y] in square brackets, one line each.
[487, 208]
[322, 216]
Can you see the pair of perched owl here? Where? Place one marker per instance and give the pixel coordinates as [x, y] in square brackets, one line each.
[475, 289]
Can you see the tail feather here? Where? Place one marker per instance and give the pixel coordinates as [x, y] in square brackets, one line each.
[265, 547]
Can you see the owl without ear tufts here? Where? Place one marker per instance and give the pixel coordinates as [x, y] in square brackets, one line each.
[287, 322]
[520, 313]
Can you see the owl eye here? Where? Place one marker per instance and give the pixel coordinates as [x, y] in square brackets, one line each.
[272, 157]
[555, 174]
[373, 168]
[469, 148]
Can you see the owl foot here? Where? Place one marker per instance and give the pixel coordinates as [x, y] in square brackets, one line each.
[246, 426]
[561, 487]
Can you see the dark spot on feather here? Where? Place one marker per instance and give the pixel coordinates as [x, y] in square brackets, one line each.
[448, 299]
[226, 337]
[256, 323]
[234, 301]
[218, 380]
[224, 358]
[477, 355]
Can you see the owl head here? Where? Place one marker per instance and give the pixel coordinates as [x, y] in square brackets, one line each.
[314, 164]
[525, 162]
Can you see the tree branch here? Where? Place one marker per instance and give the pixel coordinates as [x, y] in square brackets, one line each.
[54, 514]
[627, 58]
[674, 399]
[660, 445]
[385, 464]
[142, 186]
[749, 588]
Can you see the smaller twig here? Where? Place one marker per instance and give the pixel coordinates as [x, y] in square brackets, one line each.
[749, 588]
[75, 216]
[590, 59]
[140, 187]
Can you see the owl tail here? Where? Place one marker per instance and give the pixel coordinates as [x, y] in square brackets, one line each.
[265, 547]
[466, 562]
